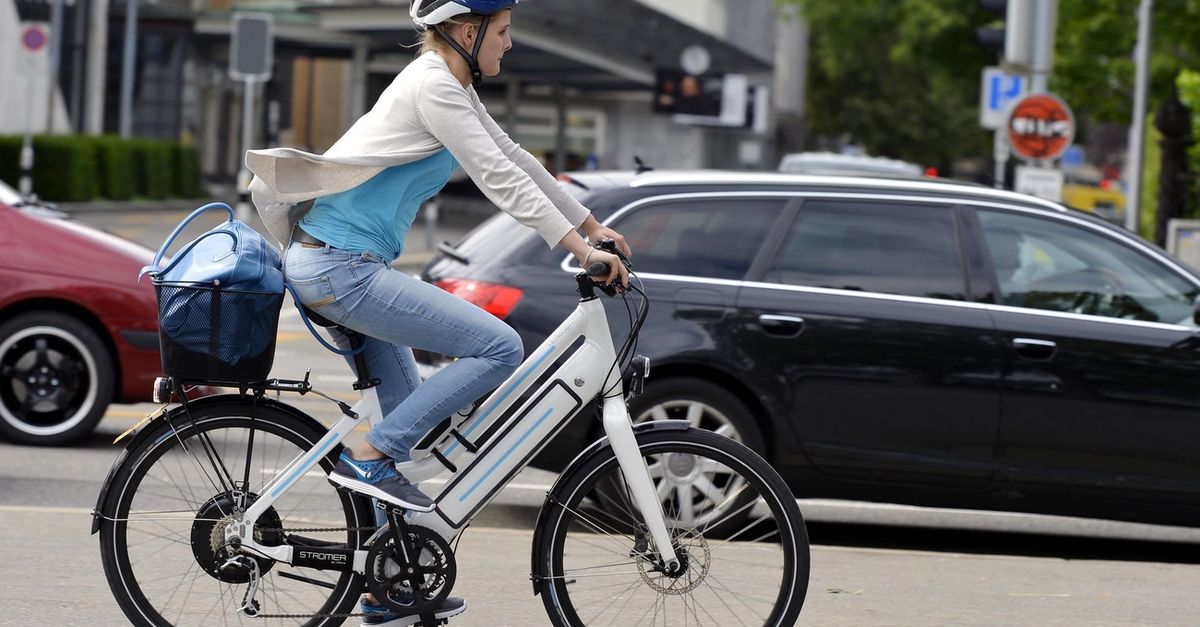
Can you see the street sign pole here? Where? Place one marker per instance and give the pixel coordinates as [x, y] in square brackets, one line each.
[1000, 154]
[33, 39]
[25, 184]
[1133, 195]
[251, 56]
[56, 31]
[1044, 21]
[128, 59]
[248, 93]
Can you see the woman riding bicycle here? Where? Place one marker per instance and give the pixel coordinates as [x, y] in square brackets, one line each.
[367, 189]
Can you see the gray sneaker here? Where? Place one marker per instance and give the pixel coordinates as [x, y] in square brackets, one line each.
[378, 478]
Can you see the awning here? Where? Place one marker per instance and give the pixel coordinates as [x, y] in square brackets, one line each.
[592, 45]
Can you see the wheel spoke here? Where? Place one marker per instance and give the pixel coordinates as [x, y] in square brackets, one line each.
[712, 493]
[713, 523]
[166, 493]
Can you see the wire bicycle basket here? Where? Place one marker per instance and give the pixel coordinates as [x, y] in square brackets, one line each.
[210, 333]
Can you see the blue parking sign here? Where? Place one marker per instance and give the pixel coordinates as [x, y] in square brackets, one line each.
[998, 91]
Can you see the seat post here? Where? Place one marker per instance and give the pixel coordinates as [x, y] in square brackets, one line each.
[365, 380]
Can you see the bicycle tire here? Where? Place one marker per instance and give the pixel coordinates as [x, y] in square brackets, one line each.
[163, 458]
[567, 518]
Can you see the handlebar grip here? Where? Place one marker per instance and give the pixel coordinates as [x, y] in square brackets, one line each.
[598, 268]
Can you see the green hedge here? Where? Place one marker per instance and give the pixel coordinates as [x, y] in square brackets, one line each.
[10, 160]
[187, 171]
[116, 172]
[152, 164]
[64, 169]
[72, 168]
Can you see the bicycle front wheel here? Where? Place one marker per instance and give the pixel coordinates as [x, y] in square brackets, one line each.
[599, 566]
[162, 541]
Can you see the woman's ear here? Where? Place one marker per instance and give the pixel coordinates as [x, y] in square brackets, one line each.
[468, 34]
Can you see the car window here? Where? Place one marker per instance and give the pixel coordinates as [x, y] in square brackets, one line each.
[1048, 264]
[893, 248]
[702, 238]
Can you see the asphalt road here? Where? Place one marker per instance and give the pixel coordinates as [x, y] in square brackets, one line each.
[871, 564]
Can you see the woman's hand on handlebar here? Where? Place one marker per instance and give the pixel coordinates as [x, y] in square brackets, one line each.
[618, 274]
[599, 233]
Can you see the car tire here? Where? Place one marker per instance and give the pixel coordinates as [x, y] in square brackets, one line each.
[718, 409]
[56, 378]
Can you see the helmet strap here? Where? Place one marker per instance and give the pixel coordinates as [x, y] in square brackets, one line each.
[472, 57]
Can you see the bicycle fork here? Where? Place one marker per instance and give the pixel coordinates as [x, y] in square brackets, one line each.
[637, 476]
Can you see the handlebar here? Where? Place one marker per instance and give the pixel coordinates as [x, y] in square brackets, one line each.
[601, 269]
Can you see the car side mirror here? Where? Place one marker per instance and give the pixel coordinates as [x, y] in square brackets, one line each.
[1196, 311]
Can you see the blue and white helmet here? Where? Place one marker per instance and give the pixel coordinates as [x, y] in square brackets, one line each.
[428, 13]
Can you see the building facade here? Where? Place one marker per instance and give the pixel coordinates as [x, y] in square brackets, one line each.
[577, 90]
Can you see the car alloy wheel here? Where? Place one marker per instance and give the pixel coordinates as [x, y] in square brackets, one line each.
[56, 378]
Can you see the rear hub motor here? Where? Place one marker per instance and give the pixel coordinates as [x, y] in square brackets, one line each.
[209, 545]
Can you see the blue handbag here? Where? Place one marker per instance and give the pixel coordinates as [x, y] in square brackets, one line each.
[218, 302]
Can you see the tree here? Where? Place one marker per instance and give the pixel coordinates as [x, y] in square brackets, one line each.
[1094, 67]
[899, 77]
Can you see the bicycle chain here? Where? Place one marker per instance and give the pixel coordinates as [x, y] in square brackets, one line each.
[318, 614]
[316, 529]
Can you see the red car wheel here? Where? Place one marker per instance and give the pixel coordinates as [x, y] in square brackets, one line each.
[56, 378]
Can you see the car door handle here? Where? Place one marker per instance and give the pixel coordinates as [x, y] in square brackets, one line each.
[1037, 350]
[787, 326]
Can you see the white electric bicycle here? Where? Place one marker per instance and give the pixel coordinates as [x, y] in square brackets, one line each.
[219, 512]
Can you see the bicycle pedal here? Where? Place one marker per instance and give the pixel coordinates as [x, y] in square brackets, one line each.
[388, 507]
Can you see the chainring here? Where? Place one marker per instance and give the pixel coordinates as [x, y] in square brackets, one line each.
[389, 577]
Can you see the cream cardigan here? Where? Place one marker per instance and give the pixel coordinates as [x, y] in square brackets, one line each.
[424, 110]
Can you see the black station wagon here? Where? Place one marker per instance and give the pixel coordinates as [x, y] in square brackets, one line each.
[906, 341]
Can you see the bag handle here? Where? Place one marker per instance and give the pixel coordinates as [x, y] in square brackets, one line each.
[153, 267]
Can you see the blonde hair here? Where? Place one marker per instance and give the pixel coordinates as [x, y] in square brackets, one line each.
[431, 42]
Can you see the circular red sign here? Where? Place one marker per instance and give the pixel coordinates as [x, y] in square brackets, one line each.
[1040, 126]
[33, 38]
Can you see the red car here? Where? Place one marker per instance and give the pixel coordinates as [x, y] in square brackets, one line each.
[77, 331]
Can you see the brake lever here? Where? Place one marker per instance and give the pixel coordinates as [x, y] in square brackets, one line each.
[610, 246]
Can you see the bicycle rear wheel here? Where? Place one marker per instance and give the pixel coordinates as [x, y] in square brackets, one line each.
[598, 567]
[168, 503]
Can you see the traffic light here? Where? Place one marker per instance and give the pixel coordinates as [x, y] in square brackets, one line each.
[992, 35]
[1012, 32]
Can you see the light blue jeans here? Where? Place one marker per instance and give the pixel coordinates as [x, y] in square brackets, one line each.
[398, 313]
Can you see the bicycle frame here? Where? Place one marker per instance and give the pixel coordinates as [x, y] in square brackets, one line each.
[576, 363]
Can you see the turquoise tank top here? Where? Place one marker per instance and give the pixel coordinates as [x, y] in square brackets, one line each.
[377, 215]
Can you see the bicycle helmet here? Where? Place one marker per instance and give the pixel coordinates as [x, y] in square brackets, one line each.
[434, 13]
